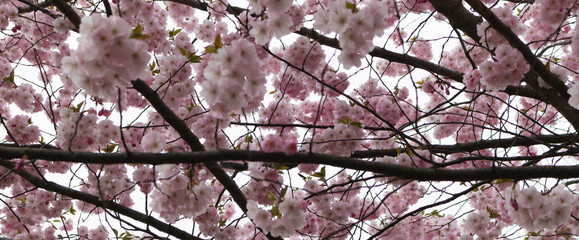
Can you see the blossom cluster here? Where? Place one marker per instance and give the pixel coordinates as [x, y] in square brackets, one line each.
[180, 196]
[7, 12]
[356, 26]
[275, 143]
[106, 58]
[508, 70]
[24, 96]
[535, 211]
[490, 37]
[22, 130]
[343, 139]
[281, 17]
[233, 78]
[292, 217]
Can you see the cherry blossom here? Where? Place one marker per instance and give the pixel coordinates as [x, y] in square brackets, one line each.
[271, 119]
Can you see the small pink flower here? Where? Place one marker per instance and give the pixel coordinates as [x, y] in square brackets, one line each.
[272, 143]
[290, 147]
[514, 204]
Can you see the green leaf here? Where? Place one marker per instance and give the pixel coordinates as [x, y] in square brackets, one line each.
[492, 214]
[503, 180]
[275, 211]
[357, 124]
[435, 213]
[110, 148]
[77, 108]
[351, 6]
[10, 78]
[222, 222]
[72, 210]
[218, 43]
[271, 197]
[116, 232]
[194, 58]
[210, 49]
[137, 32]
[283, 192]
[174, 33]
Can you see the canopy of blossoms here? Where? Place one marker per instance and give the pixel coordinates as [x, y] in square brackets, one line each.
[289, 119]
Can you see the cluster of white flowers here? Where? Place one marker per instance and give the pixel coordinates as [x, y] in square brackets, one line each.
[534, 211]
[233, 78]
[292, 217]
[356, 27]
[107, 57]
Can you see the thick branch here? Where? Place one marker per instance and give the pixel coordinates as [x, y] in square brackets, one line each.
[557, 96]
[94, 200]
[68, 12]
[458, 16]
[192, 140]
[36, 7]
[391, 170]
[474, 146]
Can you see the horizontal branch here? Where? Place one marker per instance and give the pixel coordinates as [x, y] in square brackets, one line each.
[391, 170]
[479, 145]
[94, 200]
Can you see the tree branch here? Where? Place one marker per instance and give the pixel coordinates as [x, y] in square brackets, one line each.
[458, 16]
[192, 140]
[557, 96]
[68, 12]
[478, 145]
[391, 170]
[94, 200]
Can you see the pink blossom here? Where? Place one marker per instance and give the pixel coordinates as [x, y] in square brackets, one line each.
[153, 141]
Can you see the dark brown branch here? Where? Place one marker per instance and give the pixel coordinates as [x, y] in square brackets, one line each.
[68, 12]
[423, 208]
[94, 200]
[383, 53]
[179, 125]
[392, 170]
[458, 16]
[474, 146]
[557, 95]
[514, 41]
[36, 7]
[192, 140]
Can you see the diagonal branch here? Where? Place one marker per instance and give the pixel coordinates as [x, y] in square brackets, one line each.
[94, 200]
[68, 11]
[557, 95]
[192, 140]
[458, 16]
